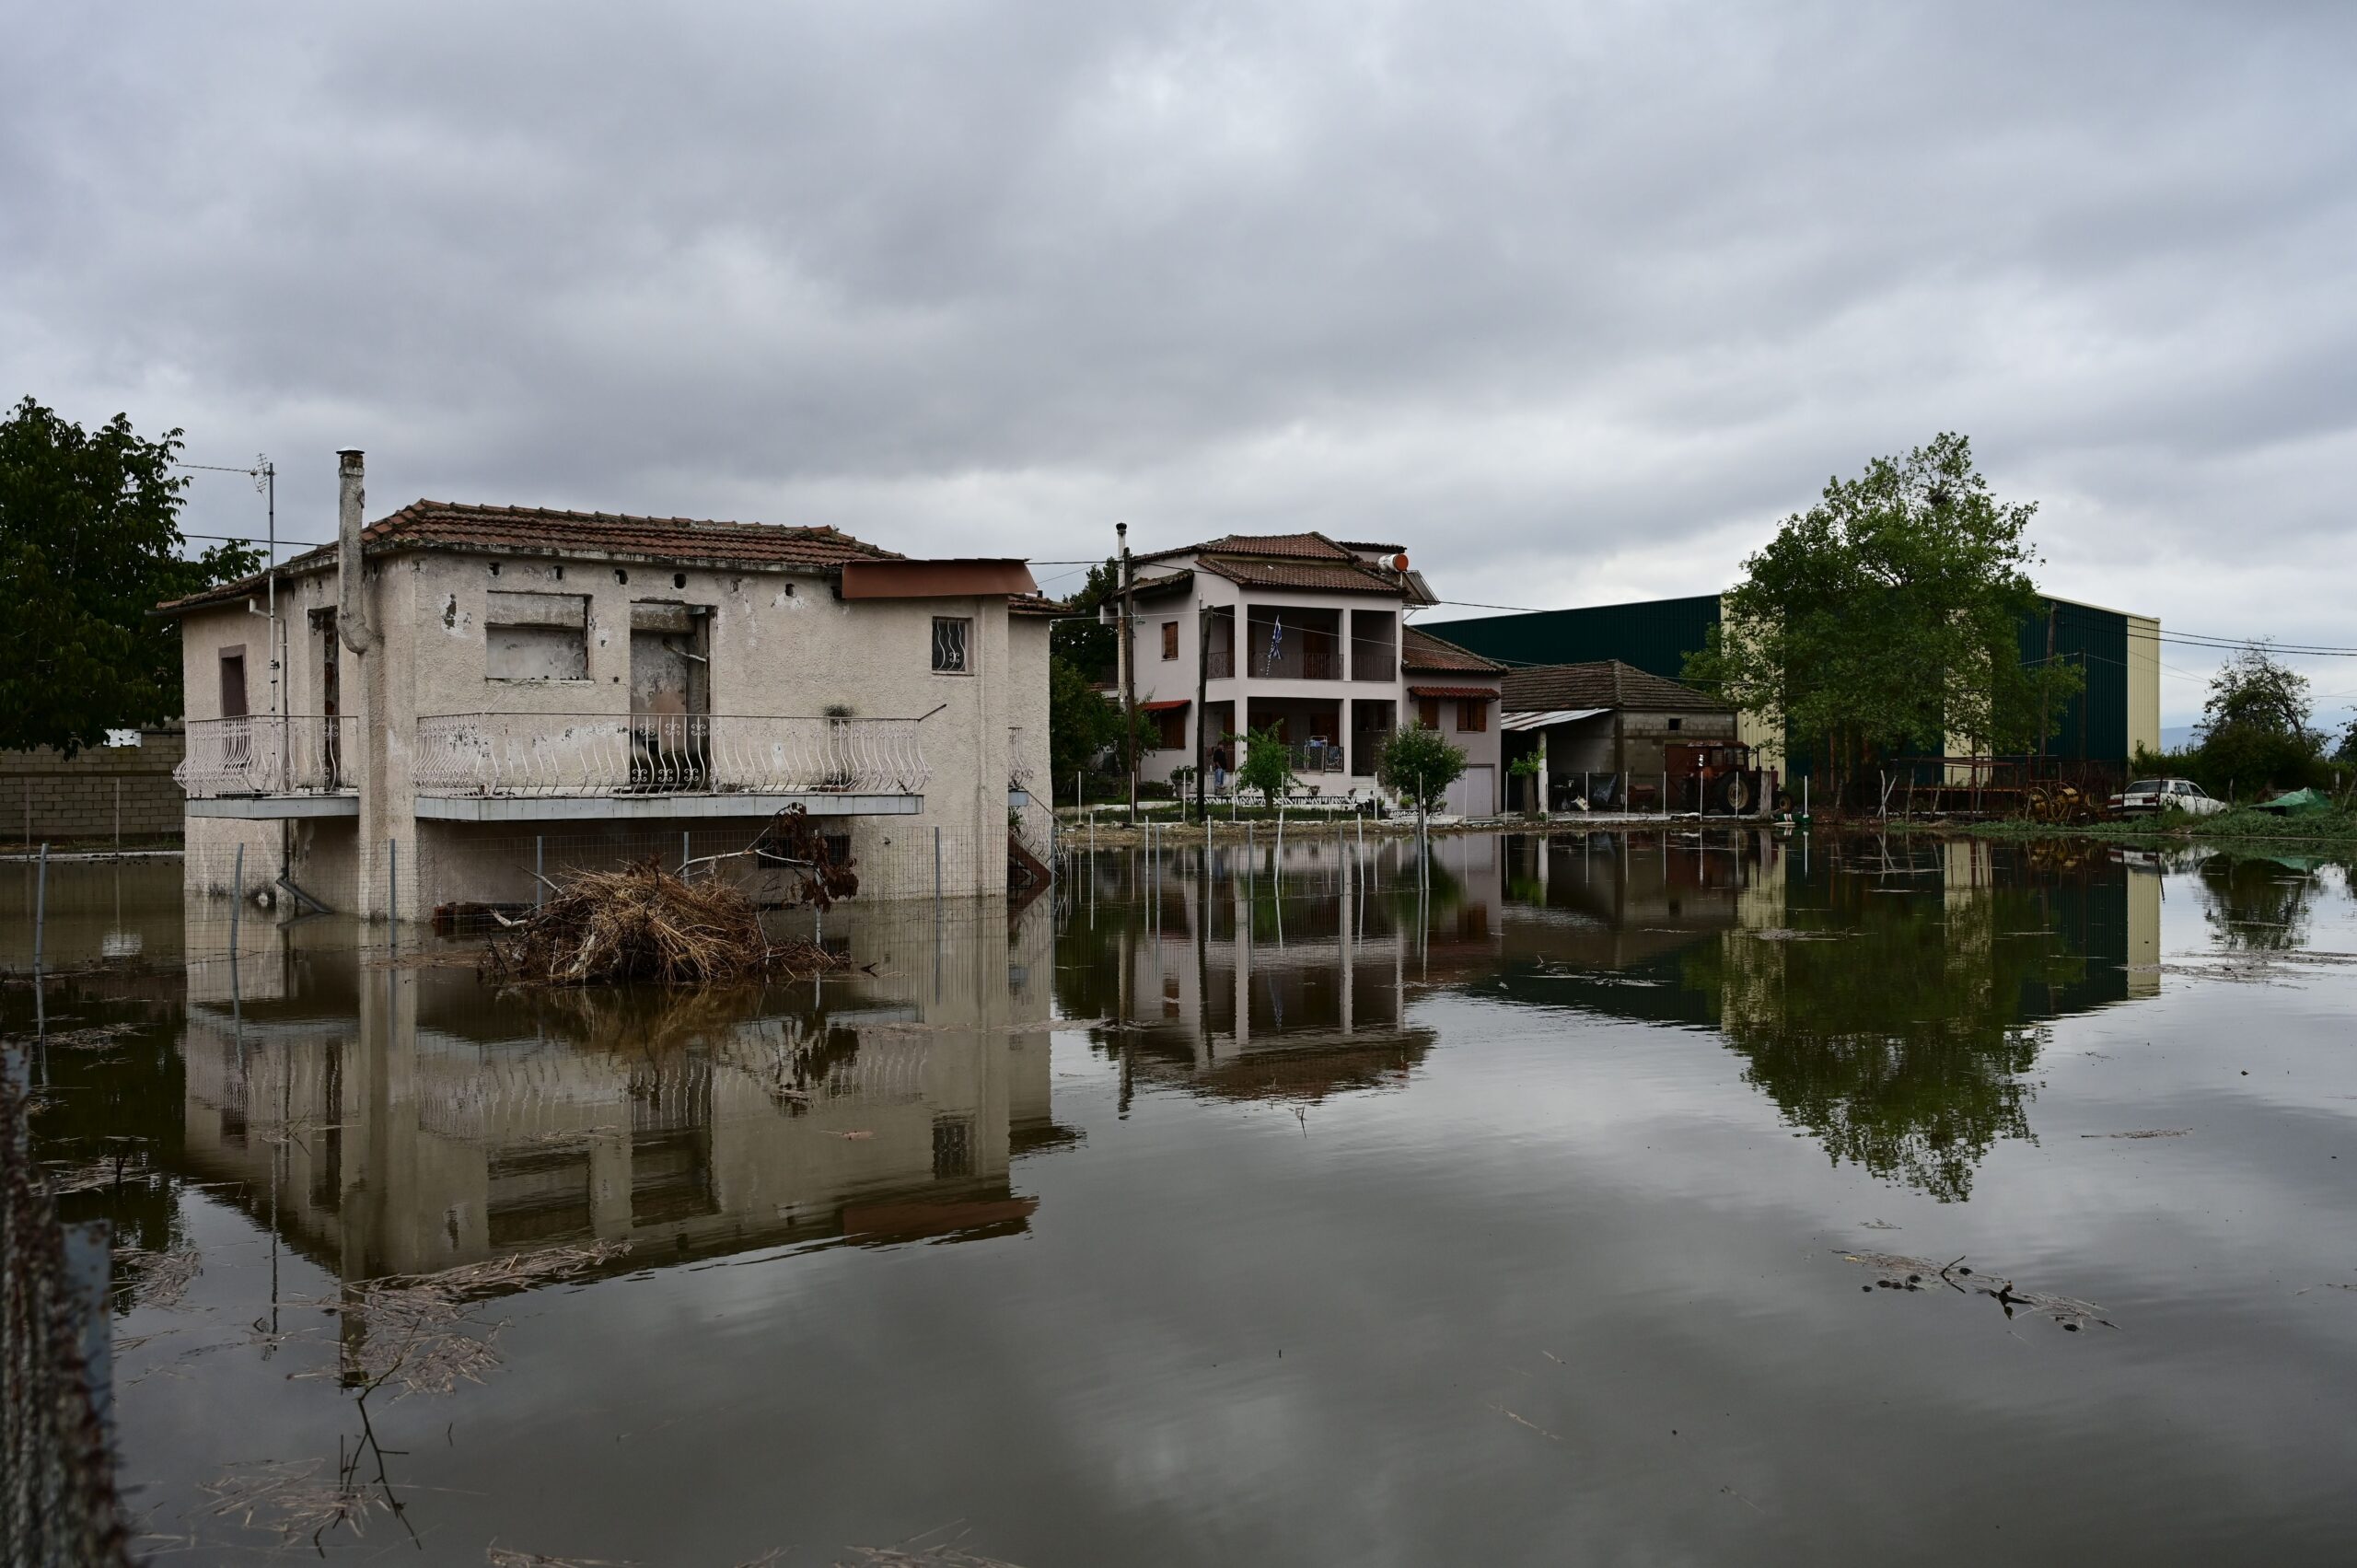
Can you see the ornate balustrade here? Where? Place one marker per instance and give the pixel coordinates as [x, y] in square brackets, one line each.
[268, 754]
[598, 754]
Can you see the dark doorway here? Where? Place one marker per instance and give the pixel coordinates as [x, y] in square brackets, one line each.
[670, 696]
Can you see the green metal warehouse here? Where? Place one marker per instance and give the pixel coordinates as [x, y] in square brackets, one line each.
[2120, 710]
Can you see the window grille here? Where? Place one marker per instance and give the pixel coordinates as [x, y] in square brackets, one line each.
[950, 635]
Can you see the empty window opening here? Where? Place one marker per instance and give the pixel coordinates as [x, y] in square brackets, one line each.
[535, 636]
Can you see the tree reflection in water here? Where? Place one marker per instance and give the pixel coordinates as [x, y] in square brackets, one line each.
[1894, 1027]
[2254, 904]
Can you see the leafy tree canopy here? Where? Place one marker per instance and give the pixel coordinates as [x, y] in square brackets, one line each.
[1418, 765]
[1887, 615]
[2255, 733]
[1081, 723]
[89, 543]
[1091, 647]
[1267, 765]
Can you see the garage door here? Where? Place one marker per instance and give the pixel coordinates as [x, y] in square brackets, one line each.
[1475, 794]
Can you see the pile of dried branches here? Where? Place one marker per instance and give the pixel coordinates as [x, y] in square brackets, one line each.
[645, 924]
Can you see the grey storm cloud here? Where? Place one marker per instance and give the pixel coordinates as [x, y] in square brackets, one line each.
[1574, 300]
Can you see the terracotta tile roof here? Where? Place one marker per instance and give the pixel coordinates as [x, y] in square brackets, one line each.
[1036, 604]
[1452, 691]
[1282, 546]
[1607, 684]
[542, 531]
[539, 530]
[1346, 575]
[1370, 548]
[1419, 649]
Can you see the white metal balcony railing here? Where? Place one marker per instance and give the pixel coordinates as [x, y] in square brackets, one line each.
[264, 754]
[591, 754]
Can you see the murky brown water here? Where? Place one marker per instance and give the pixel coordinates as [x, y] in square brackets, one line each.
[1503, 1212]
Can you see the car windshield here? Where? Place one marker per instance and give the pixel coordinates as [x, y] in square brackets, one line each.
[2144, 787]
[2186, 786]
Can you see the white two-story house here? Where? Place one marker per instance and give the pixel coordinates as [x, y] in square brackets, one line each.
[409, 716]
[1307, 636]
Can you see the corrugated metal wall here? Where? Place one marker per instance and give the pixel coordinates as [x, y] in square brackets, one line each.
[2093, 724]
[1656, 635]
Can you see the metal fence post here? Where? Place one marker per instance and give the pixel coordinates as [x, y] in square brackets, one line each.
[392, 897]
[683, 851]
[237, 898]
[40, 906]
[936, 871]
[539, 888]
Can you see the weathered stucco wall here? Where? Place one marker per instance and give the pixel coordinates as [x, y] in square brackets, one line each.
[780, 644]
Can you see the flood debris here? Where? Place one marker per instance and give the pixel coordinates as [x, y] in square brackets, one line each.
[921, 1551]
[2143, 1133]
[292, 1497]
[158, 1279]
[506, 1557]
[419, 1334]
[648, 925]
[1898, 1271]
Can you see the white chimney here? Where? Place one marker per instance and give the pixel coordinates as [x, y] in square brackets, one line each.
[351, 615]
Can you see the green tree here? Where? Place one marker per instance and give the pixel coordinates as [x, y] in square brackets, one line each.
[2255, 734]
[1081, 720]
[1887, 617]
[89, 543]
[1267, 765]
[1418, 765]
[1080, 639]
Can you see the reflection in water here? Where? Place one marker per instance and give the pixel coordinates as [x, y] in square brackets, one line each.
[1529, 1215]
[2257, 903]
[1887, 998]
[407, 1121]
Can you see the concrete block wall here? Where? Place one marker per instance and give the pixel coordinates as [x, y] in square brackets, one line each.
[94, 795]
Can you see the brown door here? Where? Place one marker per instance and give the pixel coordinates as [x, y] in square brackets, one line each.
[233, 683]
[236, 736]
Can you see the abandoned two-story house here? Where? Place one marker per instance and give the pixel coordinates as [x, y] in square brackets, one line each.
[386, 720]
[1307, 637]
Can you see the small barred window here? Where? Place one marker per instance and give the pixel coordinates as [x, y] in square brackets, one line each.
[950, 635]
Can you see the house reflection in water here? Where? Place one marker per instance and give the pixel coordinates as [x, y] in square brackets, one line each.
[405, 1121]
[1890, 997]
[1232, 975]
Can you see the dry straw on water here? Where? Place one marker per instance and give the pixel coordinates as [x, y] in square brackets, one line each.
[646, 924]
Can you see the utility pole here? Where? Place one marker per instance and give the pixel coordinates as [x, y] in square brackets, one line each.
[1129, 663]
[1203, 690]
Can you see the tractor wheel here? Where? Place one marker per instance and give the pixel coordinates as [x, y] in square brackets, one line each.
[1731, 793]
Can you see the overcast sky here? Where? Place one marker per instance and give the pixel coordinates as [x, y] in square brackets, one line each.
[1574, 301]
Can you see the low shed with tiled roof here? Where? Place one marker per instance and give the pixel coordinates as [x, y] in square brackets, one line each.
[1604, 720]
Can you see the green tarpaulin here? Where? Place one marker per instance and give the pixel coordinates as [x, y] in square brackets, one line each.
[2299, 802]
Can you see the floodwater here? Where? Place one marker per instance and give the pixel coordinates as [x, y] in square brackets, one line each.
[1555, 1201]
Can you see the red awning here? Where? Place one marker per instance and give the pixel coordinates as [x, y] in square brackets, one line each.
[1171, 705]
[935, 579]
[1485, 691]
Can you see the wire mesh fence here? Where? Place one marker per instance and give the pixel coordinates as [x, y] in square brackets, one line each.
[58, 1507]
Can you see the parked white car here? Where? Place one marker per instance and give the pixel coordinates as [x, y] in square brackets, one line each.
[2165, 794]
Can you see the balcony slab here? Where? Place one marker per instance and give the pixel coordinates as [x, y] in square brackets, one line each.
[274, 808]
[639, 808]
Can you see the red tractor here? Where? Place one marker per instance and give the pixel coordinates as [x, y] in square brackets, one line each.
[1715, 778]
